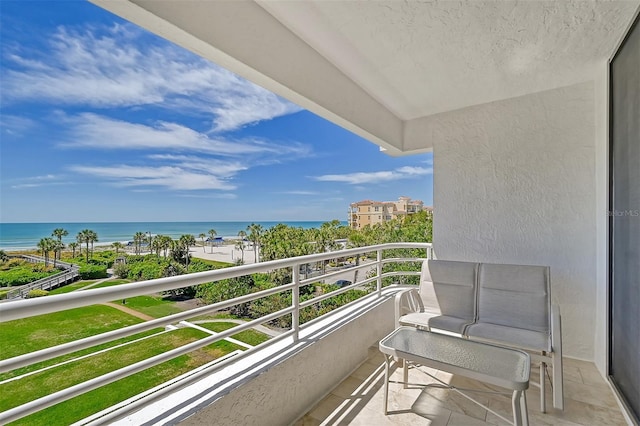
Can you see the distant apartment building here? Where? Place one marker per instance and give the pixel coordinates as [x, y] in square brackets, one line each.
[368, 212]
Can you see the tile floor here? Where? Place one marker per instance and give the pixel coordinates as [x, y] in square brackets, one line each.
[358, 400]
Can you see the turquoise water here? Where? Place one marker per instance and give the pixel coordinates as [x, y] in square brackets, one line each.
[16, 236]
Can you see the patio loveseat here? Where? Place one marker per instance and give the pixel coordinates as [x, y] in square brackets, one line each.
[508, 305]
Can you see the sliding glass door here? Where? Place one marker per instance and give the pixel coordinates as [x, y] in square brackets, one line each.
[624, 243]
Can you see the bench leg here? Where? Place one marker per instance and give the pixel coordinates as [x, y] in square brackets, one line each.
[519, 405]
[543, 380]
[524, 414]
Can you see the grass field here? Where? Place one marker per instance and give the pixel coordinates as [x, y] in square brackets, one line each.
[42, 331]
[250, 337]
[155, 306]
[45, 383]
[71, 287]
[111, 283]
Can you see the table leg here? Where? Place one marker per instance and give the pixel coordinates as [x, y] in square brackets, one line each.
[405, 373]
[386, 382]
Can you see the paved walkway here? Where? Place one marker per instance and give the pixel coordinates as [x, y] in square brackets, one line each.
[130, 311]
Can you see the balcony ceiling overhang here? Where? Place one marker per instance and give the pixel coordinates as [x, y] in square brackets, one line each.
[383, 69]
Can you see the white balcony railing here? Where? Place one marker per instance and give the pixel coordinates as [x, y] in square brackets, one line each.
[372, 272]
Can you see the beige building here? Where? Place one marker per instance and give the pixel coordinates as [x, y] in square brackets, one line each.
[368, 212]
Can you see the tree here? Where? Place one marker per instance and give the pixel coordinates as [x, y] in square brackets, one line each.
[117, 245]
[73, 246]
[93, 238]
[212, 236]
[240, 246]
[3, 256]
[202, 236]
[57, 248]
[46, 245]
[138, 239]
[255, 236]
[165, 243]
[59, 233]
[83, 237]
[185, 242]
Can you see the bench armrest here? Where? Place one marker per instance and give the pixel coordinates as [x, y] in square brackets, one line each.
[408, 301]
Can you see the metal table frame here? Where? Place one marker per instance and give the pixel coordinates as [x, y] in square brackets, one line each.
[496, 365]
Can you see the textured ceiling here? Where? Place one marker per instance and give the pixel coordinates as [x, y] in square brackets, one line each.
[420, 58]
[382, 68]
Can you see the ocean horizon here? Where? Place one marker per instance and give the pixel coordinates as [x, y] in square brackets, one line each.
[25, 236]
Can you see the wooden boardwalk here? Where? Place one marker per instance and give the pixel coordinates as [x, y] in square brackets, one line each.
[69, 274]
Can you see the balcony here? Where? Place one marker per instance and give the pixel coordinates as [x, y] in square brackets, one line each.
[330, 362]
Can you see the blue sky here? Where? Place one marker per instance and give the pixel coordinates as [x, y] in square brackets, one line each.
[103, 121]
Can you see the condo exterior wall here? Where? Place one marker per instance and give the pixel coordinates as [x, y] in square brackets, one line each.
[515, 182]
[368, 212]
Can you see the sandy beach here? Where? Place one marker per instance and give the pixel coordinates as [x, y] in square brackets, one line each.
[223, 253]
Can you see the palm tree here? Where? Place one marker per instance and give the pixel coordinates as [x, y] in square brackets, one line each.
[93, 238]
[59, 233]
[138, 239]
[73, 246]
[83, 237]
[57, 247]
[117, 245]
[255, 236]
[240, 246]
[202, 236]
[164, 243]
[46, 245]
[187, 241]
[212, 236]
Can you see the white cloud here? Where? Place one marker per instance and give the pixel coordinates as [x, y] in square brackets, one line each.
[186, 160]
[174, 178]
[406, 172]
[122, 66]
[38, 181]
[299, 192]
[95, 131]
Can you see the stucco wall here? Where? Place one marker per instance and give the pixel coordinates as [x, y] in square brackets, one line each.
[284, 392]
[514, 182]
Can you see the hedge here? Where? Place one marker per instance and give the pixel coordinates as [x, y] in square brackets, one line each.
[92, 272]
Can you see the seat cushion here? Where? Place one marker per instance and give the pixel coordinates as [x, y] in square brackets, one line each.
[509, 336]
[433, 320]
[514, 296]
[449, 287]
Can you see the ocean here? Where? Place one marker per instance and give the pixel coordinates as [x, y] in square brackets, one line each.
[23, 236]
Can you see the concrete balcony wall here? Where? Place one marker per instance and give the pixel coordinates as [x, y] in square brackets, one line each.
[279, 384]
[515, 182]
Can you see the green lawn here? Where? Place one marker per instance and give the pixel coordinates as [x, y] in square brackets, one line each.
[250, 337]
[42, 331]
[154, 306]
[111, 283]
[71, 287]
[44, 383]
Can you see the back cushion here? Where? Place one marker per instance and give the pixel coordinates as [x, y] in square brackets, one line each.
[449, 287]
[514, 296]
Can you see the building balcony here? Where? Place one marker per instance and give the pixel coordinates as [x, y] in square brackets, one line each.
[329, 365]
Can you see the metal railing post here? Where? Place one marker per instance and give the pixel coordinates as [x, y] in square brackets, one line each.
[295, 298]
[379, 271]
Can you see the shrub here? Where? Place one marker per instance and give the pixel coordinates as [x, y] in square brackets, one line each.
[37, 293]
[21, 275]
[121, 270]
[92, 272]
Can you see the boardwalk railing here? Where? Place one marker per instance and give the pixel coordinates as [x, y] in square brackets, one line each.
[372, 272]
[68, 275]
